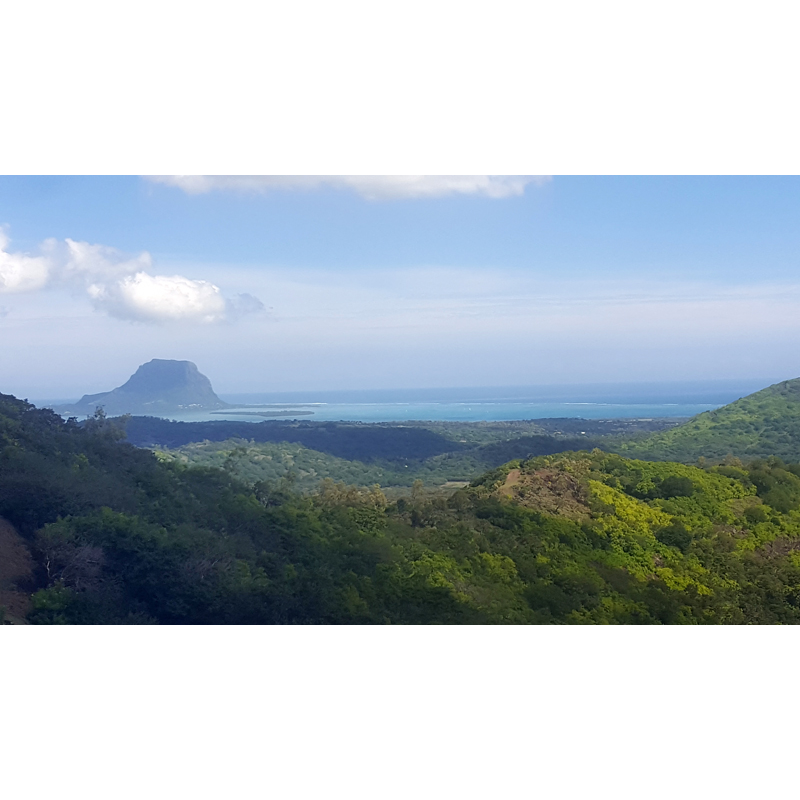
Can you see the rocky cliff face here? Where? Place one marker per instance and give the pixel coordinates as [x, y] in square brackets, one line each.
[157, 387]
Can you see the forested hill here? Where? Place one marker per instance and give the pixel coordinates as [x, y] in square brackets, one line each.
[763, 424]
[341, 439]
[118, 537]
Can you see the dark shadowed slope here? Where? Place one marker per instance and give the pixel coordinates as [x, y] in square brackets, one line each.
[16, 574]
[344, 440]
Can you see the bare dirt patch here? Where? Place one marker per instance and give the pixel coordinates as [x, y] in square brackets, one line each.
[16, 573]
[550, 491]
[778, 548]
[512, 480]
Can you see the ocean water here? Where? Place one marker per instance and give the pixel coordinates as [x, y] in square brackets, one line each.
[453, 412]
[587, 401]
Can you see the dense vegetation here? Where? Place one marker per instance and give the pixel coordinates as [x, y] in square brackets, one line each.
[383, 440]
[760, 425]
[306, 468]
[343, 440]
[581, 537]
[394, 455]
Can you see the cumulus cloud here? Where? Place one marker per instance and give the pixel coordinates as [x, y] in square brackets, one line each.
[81, 260]
[120, 286]
[159, 298]
[372, 187]
[19, 272]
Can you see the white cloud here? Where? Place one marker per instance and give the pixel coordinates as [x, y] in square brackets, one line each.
[82, 260]
[19, 272]
[158, 298]
[372, 187]
[120, 286]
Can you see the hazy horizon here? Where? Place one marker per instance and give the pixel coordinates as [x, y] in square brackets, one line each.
[639, 400]
[660, 391]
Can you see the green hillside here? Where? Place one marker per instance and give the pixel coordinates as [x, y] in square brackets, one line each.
[760, 425]
[116, 536]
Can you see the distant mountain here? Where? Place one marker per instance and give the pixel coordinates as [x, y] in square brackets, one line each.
[766, 423]
[157, 387]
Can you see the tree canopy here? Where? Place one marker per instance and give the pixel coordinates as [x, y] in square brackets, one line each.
[120, 536]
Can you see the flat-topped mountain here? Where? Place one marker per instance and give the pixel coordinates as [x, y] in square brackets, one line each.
[159, 386]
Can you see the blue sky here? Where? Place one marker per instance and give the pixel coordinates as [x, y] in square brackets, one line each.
[281, 284]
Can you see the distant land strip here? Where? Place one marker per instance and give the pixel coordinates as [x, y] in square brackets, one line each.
[276, 405]
[284, 413]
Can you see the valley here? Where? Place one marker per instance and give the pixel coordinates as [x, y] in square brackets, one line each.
[139, 520]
